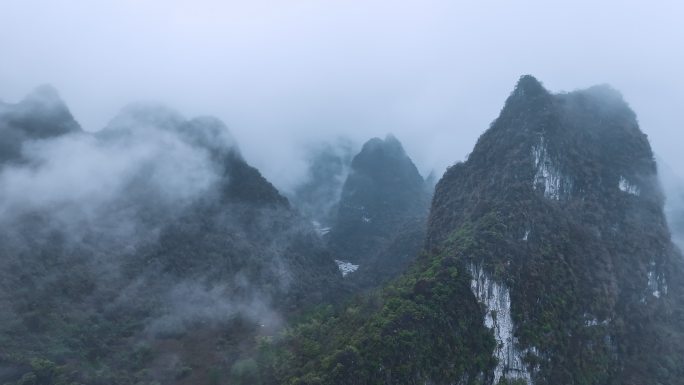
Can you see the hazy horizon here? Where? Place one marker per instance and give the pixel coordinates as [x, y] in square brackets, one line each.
[286, 75]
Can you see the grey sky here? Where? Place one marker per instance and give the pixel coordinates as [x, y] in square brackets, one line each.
[285, 73]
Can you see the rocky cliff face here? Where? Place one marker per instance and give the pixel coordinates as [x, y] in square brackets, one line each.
[578, 278]
[548, 261]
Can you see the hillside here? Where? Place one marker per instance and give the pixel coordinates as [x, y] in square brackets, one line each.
[548, 261]
[148, 251]
[381, 216]
[41, 114]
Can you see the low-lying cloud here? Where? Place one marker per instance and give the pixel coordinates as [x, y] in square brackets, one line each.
[84, 207]
[188, 304]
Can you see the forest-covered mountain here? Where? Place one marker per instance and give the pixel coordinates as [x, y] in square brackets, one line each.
[579, 243]
[148, 251]
[381, 216]
[40, 115]
[548, 261]
[152, 252]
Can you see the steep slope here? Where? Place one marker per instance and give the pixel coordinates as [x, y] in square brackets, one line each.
[148, 252]
[548, 261]
[580, 281]
[380, 222]
[241, 225]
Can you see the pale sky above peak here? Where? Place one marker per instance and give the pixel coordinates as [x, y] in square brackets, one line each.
[282, 74]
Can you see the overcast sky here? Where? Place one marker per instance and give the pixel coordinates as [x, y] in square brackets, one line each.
[287, 72]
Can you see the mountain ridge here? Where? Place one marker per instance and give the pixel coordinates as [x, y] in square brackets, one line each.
[554, 228]
[185, 244]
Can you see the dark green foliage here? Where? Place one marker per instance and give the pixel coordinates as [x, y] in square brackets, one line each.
[45, 372]
[422, 328]
[595, 283]
[596, 287]
[244, 372]
[190, 289]
[580, 282]
[252, 187]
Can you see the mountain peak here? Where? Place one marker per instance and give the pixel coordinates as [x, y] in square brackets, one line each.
[146, 114]
[529, 86]
[379, 157]
[45, 94]
[528, 96]
[391, 139]
[42, 113]
[45, 100]
[566, 177]
[389, 147]
[383, 192]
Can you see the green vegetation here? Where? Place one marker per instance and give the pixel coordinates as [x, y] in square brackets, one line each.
[596, 287]
[577, 262]
[380, 222]
[422, 327]
[149, 287]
